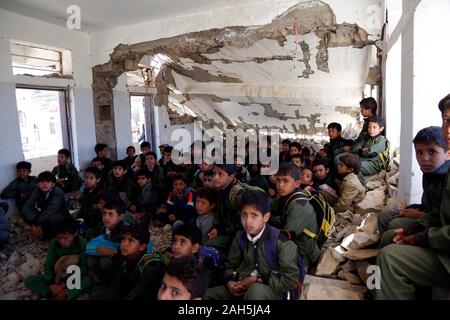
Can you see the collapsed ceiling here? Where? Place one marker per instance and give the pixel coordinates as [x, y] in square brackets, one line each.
[297, 74]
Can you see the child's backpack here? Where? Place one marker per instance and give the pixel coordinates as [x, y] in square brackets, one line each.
[236, 189]
[385, 156]
[271, 251]
[324, 214]
[212, 259]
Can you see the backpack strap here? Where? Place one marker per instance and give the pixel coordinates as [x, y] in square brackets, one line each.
[271, 248]
[146, 259]
[301, 195]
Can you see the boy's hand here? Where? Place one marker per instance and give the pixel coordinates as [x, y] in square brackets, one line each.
[247, 282]
[213, 234]
[411, 213]
[103, 251]
[401, 238]
[235, 288]
[172, 217]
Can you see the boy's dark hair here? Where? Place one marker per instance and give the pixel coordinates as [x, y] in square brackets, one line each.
[431, 135]
[98, 159]
[286, 141]
[151, 153]
[143, 173]
[131, 148]
[191, 273]
[168, 149]
[228, 168]
[351, 161]
[335, 125]
[190, 231]
[297, 145]
[23, 165]
[297, 155]
[120, 163]
[64, 225]
[209, 173]
[260, 200]
[46, 176]
[116, 204]
[444, 103]
[145, 144]
[109, 194]
[369, 103]
[180, 176]
[322, 162]
[289, 169]
[100, 146]
[306, 152]
[94, 170]
[64, 152]
[209, 194]
[376, 119]
[138, 231]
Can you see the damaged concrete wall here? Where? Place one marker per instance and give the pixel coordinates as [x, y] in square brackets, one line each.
[229, 57]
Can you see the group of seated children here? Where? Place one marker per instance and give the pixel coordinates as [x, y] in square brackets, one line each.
[227, 216]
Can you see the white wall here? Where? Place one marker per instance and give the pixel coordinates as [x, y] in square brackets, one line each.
[122, 117]
[17, 27]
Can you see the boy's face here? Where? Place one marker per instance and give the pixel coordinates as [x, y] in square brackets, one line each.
[297, 162]
[22, 174]
[253, 220]
[307, 177]
[208, 181]
[294, 150]
[204, 166]
[173, 289]
[430, 156]
[374, 129]
[203, 206]
[221, 178]
[65, 239]
[182, 246]
[90, 180]
[62, 159]
[111, 218]
[142, 181]
[45, 186]
[145, 150]
[130, 246]
[343, 169]
[131, 152]
[366, 112]
[167, 156]
[119, 172]
[286, 185]
[103, 153]
[100, 204]
[285, 146]
[98, 164]
[321, 172]
[446, 125]
[333, 133]
[179, 186]
[150, 160]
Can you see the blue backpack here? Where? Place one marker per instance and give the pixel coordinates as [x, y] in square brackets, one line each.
[271, 251]
[212, 259]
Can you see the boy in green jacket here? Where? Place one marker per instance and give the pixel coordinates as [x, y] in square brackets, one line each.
[68, 249]
[420, 255]
[248, 272]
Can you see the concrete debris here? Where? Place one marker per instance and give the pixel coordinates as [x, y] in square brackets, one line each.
[329, 262]
[373, 202]
[369, 224]
[362, 268]
[349, 266]
[360, 240]
[350, 277]
[316, 288]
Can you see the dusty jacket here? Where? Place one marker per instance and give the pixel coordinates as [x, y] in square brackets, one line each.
[351, 192]
[19, 190]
